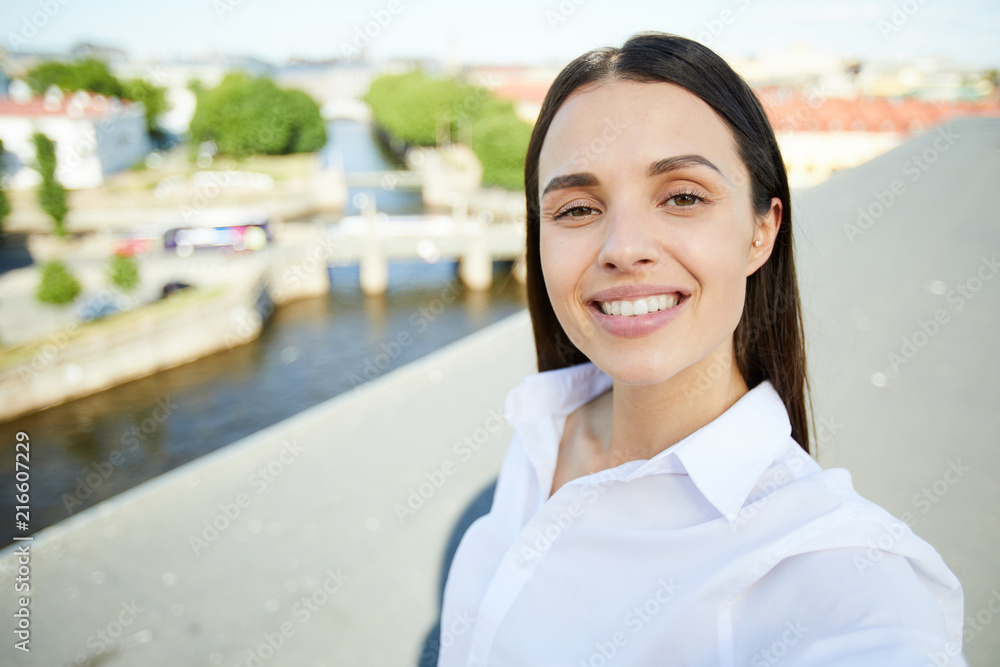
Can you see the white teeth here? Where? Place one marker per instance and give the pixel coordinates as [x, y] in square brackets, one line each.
[642, 306]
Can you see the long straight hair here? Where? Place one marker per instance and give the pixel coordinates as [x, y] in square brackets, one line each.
[769, 341]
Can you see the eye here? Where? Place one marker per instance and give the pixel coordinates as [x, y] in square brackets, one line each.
[685, 199]
[574, 212]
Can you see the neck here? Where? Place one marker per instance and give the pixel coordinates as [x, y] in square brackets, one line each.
[647, 419]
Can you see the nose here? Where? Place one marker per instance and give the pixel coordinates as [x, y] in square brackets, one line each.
[628, 240]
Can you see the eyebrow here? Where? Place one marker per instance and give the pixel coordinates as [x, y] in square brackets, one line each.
[586, 178]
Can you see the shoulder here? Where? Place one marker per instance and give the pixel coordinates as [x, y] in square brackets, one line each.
[843, 565]
[823, 608]
[803, 508]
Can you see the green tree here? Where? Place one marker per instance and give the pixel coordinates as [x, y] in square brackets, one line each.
[501, 142]
[423, 110]
[88, 74]
[58, 286]
[248, 116]
[51, 195]
[124, 272]
[154, 98]
[4, 200]
[426, 111]
[308, 129]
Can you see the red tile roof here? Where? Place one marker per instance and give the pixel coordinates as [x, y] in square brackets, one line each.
[790, 111]
[526, 91]
[35, 107]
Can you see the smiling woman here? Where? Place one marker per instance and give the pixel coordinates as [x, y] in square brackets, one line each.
[658, 503]
[664, 217]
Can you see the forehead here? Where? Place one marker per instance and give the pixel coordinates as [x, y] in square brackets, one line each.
[619, 127]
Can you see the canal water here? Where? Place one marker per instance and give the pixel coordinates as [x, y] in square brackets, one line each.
[93, 448]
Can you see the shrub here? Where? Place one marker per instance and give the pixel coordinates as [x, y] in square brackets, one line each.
[124, 272]
[51, 195]
[4, 201]
[58, 286]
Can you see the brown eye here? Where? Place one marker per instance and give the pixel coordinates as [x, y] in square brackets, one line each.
[575, 212]
[685, 200]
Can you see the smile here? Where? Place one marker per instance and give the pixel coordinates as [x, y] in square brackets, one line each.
[650, 304]
[633, 319]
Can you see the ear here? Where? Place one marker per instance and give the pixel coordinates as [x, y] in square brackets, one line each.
[765, 231]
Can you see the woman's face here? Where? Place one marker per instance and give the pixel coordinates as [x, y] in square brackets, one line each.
[645, 206]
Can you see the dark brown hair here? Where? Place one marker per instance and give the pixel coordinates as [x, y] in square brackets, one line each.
[768, 341]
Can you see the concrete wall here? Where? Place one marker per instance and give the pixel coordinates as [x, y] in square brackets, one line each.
[83, 359]
[287, 547]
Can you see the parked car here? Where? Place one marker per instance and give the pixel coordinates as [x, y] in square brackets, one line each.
[236, 229]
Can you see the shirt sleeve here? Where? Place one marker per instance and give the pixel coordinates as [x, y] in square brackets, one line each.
[846, 606]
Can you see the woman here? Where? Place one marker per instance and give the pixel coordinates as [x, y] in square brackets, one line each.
[658, 505]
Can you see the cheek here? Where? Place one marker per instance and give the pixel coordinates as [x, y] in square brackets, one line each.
[558, 268]
[720, 268]
[731, 290]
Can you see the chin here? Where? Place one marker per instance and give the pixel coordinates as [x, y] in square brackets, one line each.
[637, 368]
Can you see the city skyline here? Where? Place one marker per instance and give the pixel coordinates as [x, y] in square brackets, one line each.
[516, 32]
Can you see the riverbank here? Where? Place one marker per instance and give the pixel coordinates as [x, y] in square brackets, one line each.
[75, 359]
[84, 358]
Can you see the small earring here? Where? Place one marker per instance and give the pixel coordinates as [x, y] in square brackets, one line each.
[757, 243]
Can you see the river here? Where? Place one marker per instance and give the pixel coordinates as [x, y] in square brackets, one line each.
[92, 448]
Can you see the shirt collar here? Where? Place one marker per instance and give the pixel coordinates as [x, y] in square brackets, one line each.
[555, 392]
[724, 459]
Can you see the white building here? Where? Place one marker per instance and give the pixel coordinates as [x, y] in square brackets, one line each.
[94, 135]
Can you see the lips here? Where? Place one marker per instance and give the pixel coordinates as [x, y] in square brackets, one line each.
[636, 291]
[627, 311]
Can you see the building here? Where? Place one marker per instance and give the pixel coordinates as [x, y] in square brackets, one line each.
[94, 135]
[819, 136]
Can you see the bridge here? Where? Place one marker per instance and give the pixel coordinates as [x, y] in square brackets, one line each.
[372, 239]
[388, 180]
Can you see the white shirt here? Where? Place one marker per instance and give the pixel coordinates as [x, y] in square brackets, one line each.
[732, 547]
